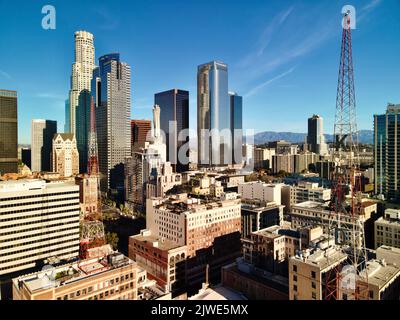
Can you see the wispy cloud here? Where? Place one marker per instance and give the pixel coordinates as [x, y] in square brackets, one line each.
[5, 74]
[268, 82]
[107, 20]
[371, 5]
[52, 96]
[266, 37]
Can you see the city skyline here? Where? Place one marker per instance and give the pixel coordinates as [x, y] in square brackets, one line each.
[276, 67]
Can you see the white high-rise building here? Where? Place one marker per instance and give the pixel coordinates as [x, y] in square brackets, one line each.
[82, 72]
[38, 221]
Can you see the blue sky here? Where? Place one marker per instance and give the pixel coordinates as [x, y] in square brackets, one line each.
[282, 56]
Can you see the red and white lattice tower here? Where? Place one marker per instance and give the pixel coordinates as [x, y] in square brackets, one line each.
[92, 228]
[346, 223]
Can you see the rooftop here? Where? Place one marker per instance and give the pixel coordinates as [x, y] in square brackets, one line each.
[162, 244]
[32, 184]
[218, 293]
[277, 231]
[325, 259]
[380, 273]
[311, 205]
[55, 277]
[181, 203]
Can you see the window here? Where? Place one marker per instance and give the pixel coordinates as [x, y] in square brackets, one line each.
[314, 295]
[313, 274]
[295, 288]
[294, 278]
[371, 294]
[313, 285]
[294, 268]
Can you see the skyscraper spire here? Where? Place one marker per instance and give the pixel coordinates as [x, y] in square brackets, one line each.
[93, 163]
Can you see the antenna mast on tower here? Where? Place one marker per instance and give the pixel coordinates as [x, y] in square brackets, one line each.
[346, 224]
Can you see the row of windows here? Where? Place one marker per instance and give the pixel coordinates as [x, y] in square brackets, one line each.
[111, 282]
[44, 208]
[70, 253]
[42, 195]
[36, 228]
[42, 221]
[42, 235]
[43, 214]
[19, 204]
[39, 247]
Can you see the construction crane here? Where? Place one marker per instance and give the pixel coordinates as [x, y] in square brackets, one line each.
[346, 224]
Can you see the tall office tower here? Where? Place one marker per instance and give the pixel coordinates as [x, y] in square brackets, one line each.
[144, 163]
[82, 72]
[315, 136]
[140, 133]
[67, 124]
[138, 170]
[45, 223]
[174, 106]
[236, 106]
[111, 90]
[386, 147]
[82, 129]
[42, 133]
[65, 156]
[8, 132]
[213, 115]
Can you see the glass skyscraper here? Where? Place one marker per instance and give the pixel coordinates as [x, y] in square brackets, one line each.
[82, 117]
[8, 132]
[236, 106]
[387, 153]
[174, 106]
[315, 136]
[67, 125]
[213, 115]
[111, 89]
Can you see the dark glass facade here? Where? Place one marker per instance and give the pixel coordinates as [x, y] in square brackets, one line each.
[8, 132]
[236, 104]
[387, 153]
[111, 90]
[82, 129]
[174, 106]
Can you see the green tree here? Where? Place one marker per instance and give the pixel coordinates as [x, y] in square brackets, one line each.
[112, 239]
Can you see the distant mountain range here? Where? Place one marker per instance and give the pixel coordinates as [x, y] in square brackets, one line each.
[364, 136]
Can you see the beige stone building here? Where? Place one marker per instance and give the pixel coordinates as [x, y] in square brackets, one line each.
[178, 228]
[88, 193]
[387, 229]
[65, 155]
[163, 259]
[308, 272]
[263, 158]
[113, 277]
[311, 213]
